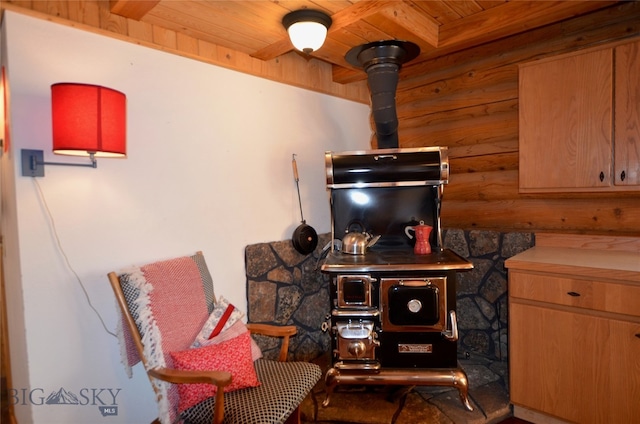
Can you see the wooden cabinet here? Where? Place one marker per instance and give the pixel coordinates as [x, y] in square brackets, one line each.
[574, 333]
[579, 121]
[627, 115]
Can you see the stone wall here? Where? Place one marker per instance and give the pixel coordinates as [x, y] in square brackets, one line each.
[481, 294]
[285, 287]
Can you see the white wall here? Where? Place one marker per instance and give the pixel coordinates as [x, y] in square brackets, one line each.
[208, 168]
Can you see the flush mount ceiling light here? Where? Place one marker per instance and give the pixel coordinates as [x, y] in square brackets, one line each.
[88, 120]
[307, 29]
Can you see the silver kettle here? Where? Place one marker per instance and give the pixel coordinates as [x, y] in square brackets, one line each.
[357, 242]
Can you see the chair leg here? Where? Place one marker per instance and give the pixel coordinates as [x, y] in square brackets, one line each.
[294, 418]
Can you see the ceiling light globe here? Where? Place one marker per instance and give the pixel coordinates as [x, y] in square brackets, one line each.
[307, 36]
[307, 29]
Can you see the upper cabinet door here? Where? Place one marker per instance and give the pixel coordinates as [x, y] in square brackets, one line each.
[627, 115]
[565, 116]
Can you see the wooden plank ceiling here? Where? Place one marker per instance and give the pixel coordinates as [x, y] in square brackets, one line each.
[437, 27]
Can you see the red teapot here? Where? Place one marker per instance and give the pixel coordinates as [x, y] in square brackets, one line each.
[422, 233]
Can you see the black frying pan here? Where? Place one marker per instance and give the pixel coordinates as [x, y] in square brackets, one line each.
[305, 238]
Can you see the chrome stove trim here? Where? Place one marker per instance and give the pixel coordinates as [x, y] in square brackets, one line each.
[442, 149]
[355, 314]
[371, 262]
[451, 334]
[364, 366]
[439, 283]
[339, 268]
[356, 341]
[378, 153]
[344, 279]
[440, 245]
[392, 184]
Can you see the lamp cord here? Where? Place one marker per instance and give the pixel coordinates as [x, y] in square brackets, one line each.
[66, 259]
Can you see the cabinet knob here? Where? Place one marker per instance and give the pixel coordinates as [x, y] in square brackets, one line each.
[623, 175]
[601, 176]
[573, 294]
[638, 335]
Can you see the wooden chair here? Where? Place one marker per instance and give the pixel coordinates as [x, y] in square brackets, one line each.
[283, 385]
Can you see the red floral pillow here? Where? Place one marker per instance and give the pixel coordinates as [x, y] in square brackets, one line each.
[233, 356]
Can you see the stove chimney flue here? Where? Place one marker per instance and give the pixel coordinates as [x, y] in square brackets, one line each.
[382, 60]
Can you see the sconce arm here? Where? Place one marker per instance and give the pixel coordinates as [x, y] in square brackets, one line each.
[33, 163]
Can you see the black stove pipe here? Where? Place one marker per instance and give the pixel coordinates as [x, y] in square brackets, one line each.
[381, 60]
[383, 81]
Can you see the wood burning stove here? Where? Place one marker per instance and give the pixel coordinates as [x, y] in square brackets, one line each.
[393, 312]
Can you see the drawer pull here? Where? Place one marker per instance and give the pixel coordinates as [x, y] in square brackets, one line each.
[573, 294]
[638, 335]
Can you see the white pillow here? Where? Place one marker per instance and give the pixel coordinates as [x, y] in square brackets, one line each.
[223, 324]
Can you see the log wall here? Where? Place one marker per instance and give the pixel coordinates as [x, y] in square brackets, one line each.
[468, 101]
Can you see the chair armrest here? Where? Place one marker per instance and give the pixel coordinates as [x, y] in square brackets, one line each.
[283, 331]
[218, 378]
[273, 330]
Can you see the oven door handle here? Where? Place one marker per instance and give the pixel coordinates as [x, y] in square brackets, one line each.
[415, 283]
[452, 334]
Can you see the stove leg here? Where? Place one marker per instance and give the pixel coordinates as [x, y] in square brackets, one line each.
[330, 383]
[465, 399]
[461, 382]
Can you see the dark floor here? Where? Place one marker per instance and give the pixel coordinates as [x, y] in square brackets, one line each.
[351, 404]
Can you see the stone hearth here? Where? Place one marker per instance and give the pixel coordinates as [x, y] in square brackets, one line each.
[410, 405]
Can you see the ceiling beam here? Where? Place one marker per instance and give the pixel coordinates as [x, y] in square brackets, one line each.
[421, 25]
[511, 18]
[342, 75]
[132, 9]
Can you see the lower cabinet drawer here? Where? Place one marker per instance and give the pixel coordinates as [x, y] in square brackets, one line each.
[595, 295]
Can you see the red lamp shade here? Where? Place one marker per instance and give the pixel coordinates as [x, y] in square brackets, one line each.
[88, 119]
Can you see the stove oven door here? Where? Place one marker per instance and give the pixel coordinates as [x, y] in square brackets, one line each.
[355, 291]
[414, 304]
[356, 341]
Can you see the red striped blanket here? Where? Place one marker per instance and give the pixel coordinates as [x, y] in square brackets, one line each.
[171, 311]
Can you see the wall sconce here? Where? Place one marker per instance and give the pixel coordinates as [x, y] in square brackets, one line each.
[88, 120]
[307, 29]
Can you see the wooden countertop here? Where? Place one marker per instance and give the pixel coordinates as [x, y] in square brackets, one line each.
[581, 261]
